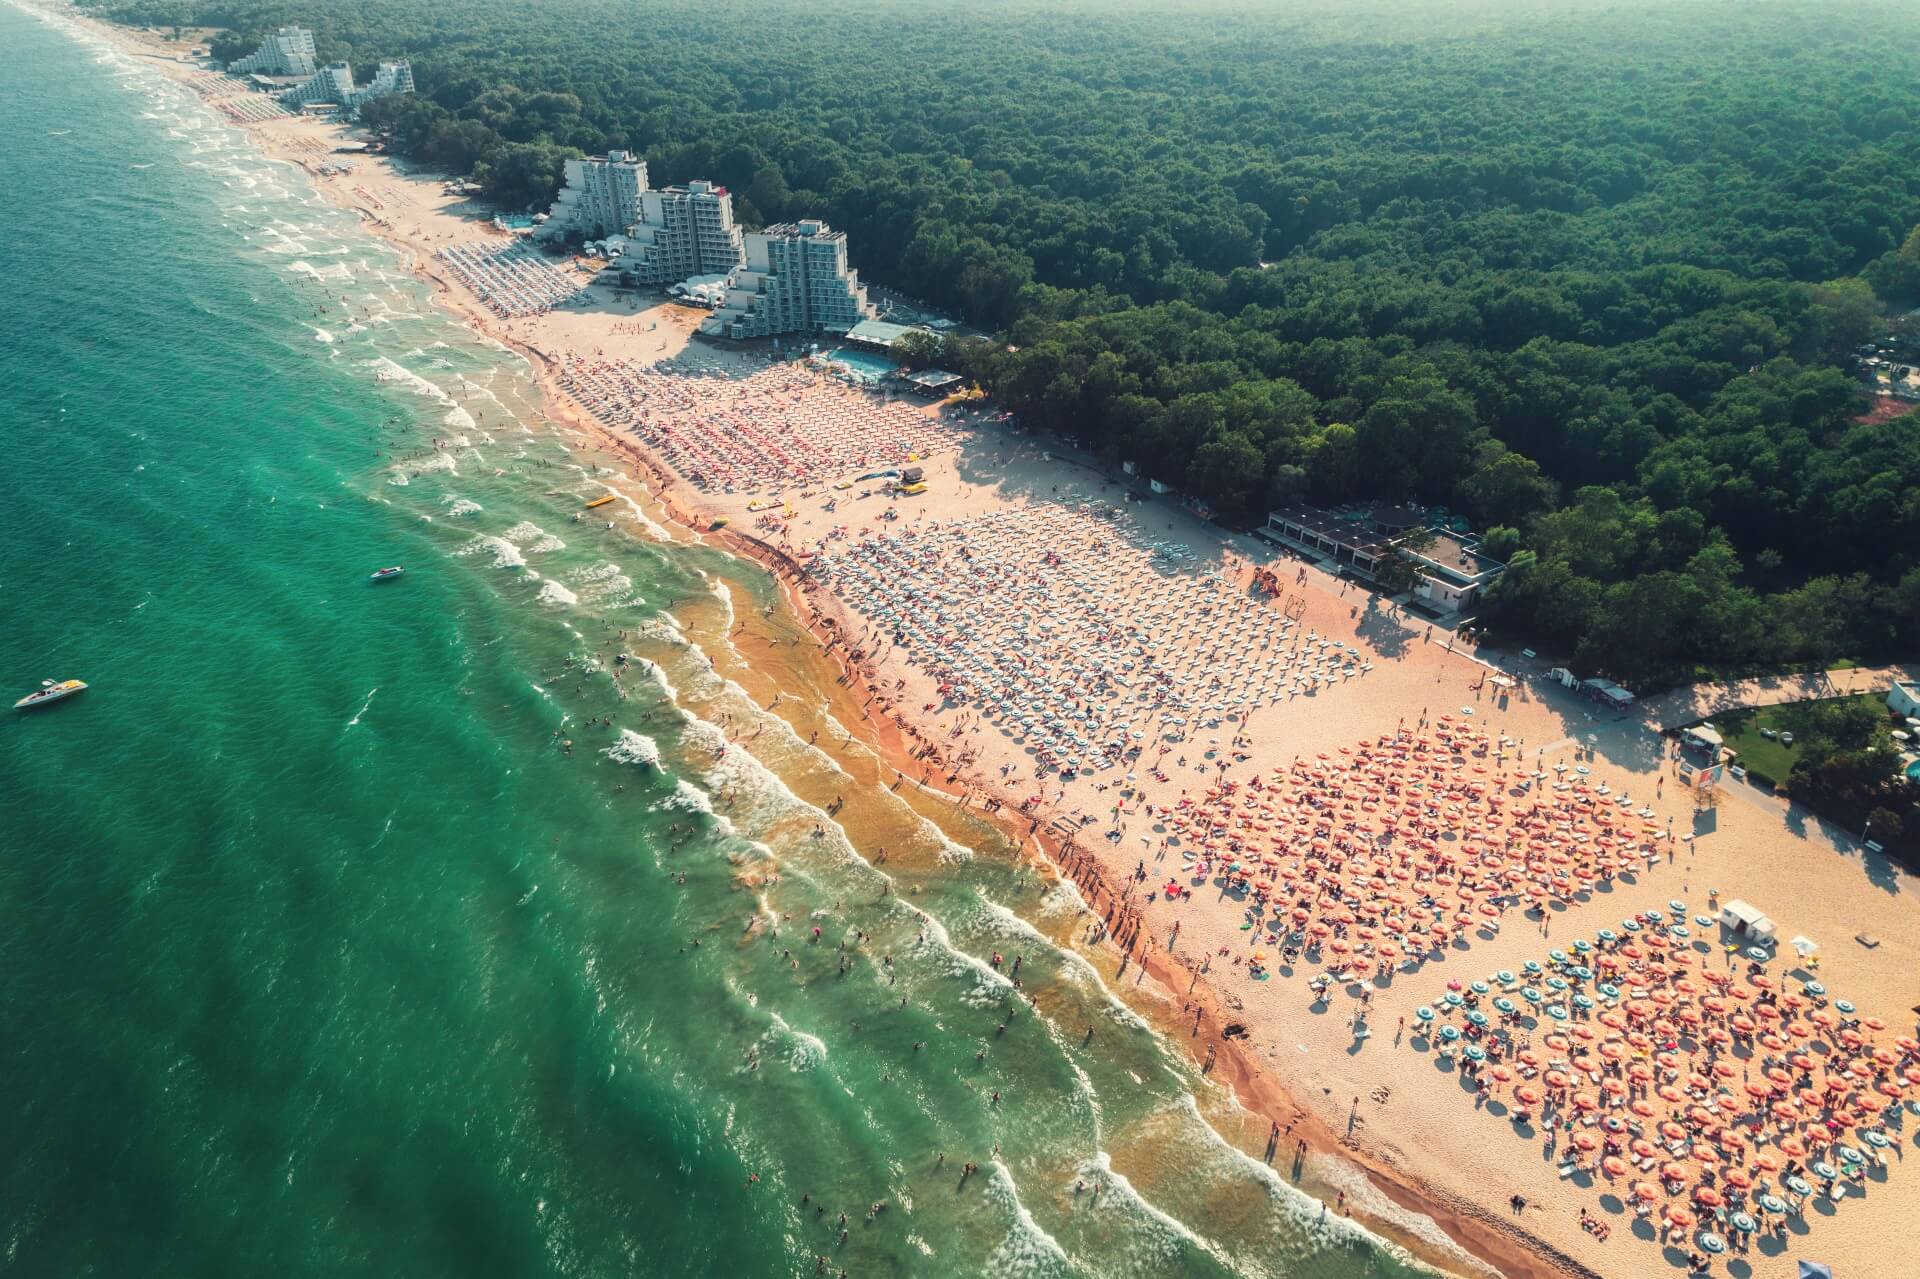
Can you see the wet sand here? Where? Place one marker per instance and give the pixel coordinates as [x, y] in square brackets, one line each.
[1423, 1148]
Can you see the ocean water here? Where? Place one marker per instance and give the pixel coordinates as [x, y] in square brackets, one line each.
[352, 929]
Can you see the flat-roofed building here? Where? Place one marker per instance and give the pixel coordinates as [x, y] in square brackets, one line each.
[796, 280]
[601, 197]
[332, 83]
[1903, 699]
[882, 335]
[1349, 540]
[391, 78]
[682, 233]
[286, 52]
[1452, 571]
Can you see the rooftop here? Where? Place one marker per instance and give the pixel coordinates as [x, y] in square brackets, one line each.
[881, 332]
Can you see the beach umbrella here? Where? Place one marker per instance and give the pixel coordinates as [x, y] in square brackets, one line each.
[1646, 1191]
[1712, 1243]
[1773, 1203]
[1679, 1216]
[1825, 1171]
[1799, 1186]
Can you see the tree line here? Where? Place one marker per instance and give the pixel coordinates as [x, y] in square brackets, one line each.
[1589, 274]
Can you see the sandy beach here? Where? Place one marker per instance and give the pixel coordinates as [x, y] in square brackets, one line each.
[1023, 615]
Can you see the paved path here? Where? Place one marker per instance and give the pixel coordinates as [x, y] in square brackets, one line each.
[1696, 702]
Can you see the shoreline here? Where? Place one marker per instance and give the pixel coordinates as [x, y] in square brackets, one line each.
[1484, 1240]
[894, 735]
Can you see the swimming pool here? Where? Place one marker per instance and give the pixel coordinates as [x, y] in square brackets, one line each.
[865, 366]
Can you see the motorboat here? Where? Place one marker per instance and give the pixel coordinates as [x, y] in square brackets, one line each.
[385, 574]
[50, 691]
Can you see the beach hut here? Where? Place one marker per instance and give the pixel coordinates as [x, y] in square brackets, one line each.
[1748, 921]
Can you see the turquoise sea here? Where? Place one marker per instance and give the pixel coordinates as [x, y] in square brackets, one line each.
[322, 952]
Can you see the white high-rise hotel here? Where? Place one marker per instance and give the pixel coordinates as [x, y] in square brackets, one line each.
[288, 52]
[601, 197]
[682, 232]
[796, 281]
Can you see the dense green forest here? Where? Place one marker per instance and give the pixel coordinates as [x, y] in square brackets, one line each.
[1587, 273]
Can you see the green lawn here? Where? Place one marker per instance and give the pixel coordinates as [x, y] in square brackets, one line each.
[1768, 756]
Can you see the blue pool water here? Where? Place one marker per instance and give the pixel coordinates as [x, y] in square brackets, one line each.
[865, 365]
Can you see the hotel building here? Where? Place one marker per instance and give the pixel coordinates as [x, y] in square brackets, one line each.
[287, 52]
[601, 197]
[796, 280]
[682, 232]
[331, 83]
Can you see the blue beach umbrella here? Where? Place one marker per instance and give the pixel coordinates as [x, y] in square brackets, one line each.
[1478, 988]
[1531, 966]
[1825, 1171]
[1878, 1140]
[1773, 1203]
[1799, 1186]
[1743, 1223]
[1608, 935]
[1558, 1012]
[1582, 946]
[1477, 1017]
[1815, 988]
[1449, 1033]
[1504, 977]
[1843, 1005]
[1475, 1052]
[1531, 994]
[1424, 1013]
[1505, 1005]
[1711, 1242]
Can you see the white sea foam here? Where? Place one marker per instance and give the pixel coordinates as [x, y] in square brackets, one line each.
[1028, 1249]
[1171, 1233]
[462, 506]
[401, 473]
[605, 584]
[388, 370]
[553, 593]
[503, 553]
[802, 1051]
[634, 748]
